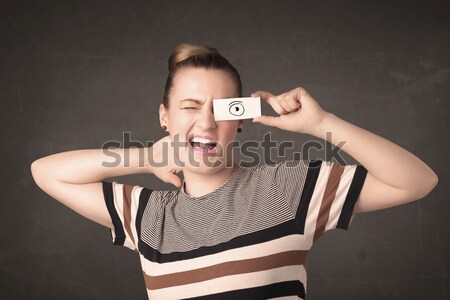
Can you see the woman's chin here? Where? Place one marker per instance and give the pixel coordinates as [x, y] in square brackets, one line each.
[205, 162]
[204, 167]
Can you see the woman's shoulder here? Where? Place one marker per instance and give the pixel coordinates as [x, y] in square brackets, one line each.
[161, 196]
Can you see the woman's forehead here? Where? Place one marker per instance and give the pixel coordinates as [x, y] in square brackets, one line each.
[201, 84]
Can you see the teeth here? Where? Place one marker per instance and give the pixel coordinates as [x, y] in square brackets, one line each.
[203, 141]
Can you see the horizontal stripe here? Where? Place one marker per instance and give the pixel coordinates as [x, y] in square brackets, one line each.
[230, 283]
[243, 207]
[225, 269]
[284, 229]
[279, 290]
[283, 244]
[249, 239]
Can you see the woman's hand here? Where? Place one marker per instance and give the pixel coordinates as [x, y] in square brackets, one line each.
[298, 111]
[163, 162]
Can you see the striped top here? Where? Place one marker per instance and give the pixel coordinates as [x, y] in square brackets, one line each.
[248, 239]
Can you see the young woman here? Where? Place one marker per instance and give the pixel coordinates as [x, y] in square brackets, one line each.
[228, 231]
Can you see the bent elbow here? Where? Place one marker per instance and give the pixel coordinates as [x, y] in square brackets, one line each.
[33, 169]
[427, 186]
[34, 172]
[434, 182]
[38, 172]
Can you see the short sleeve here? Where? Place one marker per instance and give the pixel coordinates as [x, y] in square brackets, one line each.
[125, 204]
[322, 194]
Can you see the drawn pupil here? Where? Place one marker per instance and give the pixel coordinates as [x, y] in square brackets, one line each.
[236, 109]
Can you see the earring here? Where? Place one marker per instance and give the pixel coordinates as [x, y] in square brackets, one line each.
[239, 130]
[164, 127]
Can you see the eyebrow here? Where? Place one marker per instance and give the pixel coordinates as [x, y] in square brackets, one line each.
[192, 100]
[234, 102]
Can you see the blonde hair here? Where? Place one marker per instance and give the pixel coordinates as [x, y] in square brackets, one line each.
[197, 56]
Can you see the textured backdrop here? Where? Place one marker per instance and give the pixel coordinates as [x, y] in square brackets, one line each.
[75, 74]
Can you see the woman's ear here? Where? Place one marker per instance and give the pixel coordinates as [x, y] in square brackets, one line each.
[162, 115]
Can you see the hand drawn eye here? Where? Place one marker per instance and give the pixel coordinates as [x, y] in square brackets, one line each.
[236, 108]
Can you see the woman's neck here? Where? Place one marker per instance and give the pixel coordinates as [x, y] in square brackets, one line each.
[197, 184]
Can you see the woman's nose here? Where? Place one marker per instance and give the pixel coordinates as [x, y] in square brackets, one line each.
[205, 119]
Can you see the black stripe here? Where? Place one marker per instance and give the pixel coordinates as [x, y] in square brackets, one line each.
[143, 200]
[352, 195]
[308, 190]
[109, 200]
[279, 289]
[271, 233]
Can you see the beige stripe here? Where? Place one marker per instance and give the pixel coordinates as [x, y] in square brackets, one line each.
[314, 206]
[327, 200]
[286, 243]
[339, 199]
[127, 189]
[278, 260]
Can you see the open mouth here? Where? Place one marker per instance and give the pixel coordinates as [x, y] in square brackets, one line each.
[203, 145]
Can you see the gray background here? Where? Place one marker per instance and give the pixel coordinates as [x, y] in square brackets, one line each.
[75, 74]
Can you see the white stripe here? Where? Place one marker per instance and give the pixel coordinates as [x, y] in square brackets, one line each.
[341, 193]
[118, 204]
[135, 193]
[283, 244]
[316, 201]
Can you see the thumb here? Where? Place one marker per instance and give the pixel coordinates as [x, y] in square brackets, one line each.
[172, 179]
[263, 94]
[175, 180]
[267, 120]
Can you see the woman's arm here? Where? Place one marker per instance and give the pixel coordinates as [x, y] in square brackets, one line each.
[74, 177]
[90, 165]
[395, 176]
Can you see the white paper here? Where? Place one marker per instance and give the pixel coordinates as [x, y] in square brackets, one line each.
[236, 108]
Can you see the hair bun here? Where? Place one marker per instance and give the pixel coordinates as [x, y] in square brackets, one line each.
[184, 51]
[186, 56]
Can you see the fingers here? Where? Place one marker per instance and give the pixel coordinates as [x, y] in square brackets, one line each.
[283, 103]
[271, 100]
[289, 101]
[169, 177]
[268, 120]
[263, 94]
[173, 179]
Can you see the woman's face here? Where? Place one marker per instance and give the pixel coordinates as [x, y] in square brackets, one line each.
[205, 146]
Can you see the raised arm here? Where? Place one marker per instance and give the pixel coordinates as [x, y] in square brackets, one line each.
[74, 177]
[394, 175]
